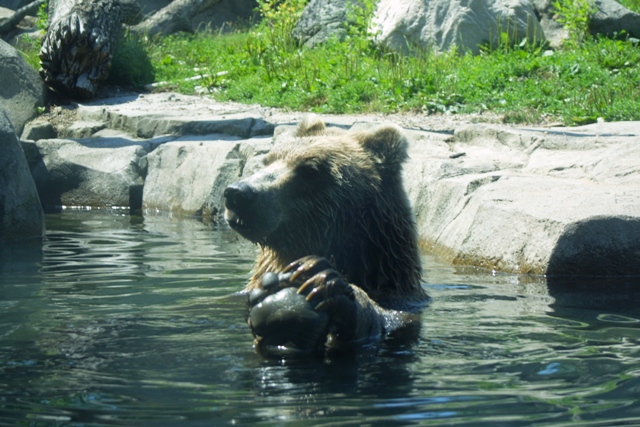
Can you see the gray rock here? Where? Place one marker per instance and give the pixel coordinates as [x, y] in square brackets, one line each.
[447, 24]
[148, 116]
[321, 20]
[187, 176]
[546, 201]
[525, 201]
[38, 129]
[21, 90]
[105, 172]
[554, 31]
[613, 18]
[82, 129]
[20, 210]
[150, 6]
[193, 15]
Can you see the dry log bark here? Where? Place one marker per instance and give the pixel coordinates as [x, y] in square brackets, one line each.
[77, 50]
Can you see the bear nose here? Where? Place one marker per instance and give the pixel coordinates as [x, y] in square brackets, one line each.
[238, 196]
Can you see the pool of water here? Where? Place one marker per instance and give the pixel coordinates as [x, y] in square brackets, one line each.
[131, 321]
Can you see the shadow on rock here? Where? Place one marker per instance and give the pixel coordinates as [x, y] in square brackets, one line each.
[596, 265]
[600, 246]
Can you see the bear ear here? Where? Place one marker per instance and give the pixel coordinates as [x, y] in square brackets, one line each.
[387, 144]
[310, 125]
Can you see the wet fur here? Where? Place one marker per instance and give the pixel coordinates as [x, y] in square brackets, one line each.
[345, 201]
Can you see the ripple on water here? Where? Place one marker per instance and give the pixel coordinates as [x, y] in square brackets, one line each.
[121, 320]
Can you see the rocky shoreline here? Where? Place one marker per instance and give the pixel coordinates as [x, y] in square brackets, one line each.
[557, 201]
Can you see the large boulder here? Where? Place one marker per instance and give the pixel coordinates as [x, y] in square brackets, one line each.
[448, 24]
[322, 20]
[612, 18]
[99, 172]
[547, 201]
[187, 176]
[526, 201]
[21, 90]
[20, 210]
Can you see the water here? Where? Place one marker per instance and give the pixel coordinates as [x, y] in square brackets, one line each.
[120, 320]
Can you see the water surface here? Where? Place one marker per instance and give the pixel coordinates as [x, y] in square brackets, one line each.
[130, 321]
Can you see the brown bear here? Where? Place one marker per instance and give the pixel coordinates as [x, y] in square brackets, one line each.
[339, 262]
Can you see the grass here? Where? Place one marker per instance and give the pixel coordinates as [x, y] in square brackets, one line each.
[600, 78]
[633, 5]
[587, 80]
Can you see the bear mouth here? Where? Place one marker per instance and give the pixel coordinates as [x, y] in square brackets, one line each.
[242, 226]
[234, 220]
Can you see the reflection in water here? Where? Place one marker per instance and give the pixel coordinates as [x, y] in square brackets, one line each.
[120, 320]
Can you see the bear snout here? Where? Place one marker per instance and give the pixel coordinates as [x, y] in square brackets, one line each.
[238, 197]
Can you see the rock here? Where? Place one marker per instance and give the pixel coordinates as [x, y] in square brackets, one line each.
[147, 116]
[613, 18]
[82, 129]
[22, 90]
[37, 130]
[192, 15]
[531, 201]
[554, 31]
[100, 172]
[20, 210]
[544, 201]
[610, 18]
[187, 176]
[321, 20]
[226, 15]
[445, 24]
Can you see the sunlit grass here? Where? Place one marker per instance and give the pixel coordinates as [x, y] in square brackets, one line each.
[587, 80]
[598, 79]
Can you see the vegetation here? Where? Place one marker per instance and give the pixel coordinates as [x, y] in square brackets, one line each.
[588, 79]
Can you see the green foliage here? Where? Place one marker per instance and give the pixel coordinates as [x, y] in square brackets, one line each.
[633, 5]
[43, 16]
[29, 48]
[575, 15]
[597, 79]
[580, 83]
[130, 65]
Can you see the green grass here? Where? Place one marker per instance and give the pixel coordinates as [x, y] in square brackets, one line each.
[586, 80]
[633, 5]
[598, 78]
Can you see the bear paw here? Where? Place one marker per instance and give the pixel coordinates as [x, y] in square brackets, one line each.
[292, 311]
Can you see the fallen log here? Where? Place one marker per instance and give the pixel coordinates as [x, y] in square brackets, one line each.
[78, 47]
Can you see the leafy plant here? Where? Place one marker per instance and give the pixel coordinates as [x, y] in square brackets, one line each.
[525, 82]
[575, 16]
[130, 65]
[43, 16]
[633, 5]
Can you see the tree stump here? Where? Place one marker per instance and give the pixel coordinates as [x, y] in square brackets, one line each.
[77, 50]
